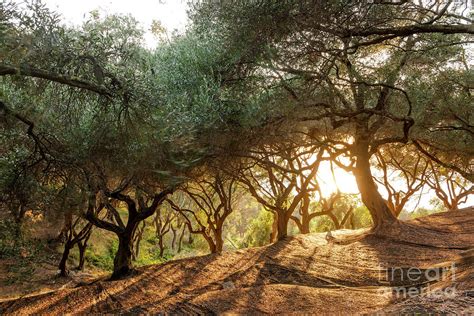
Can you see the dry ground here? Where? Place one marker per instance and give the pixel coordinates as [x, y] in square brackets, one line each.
[301, 274]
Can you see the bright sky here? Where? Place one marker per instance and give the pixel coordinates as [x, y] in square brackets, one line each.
[171, 13]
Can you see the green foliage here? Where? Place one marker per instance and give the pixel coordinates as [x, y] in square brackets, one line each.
[187, 76]
[437, 207]
[26, 252]
[259, 230]
[239, 69]
[103, 260]
[362, 217]
[11, 239]
[14, 243]
[321, 224]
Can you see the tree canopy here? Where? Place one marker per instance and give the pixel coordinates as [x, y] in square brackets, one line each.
[252, 97]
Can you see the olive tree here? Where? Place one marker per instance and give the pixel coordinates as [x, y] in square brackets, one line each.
[359, 75]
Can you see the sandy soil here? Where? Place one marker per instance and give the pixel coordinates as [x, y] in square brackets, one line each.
[303, 274]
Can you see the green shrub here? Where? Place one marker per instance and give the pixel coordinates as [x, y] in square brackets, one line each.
[104, 261]
[14, 244]
[258, 233]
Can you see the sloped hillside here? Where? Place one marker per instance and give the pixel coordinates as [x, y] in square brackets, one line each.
[432, 256]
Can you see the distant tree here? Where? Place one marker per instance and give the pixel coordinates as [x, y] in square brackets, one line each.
[163, 221]
[279, 181]
[323, 206]
[314, 203]
[450, 188]
[358, 75]
[212, 199]
[404, 173]
[139, 204]
[137, 239]
[78, 233]
[178, 228]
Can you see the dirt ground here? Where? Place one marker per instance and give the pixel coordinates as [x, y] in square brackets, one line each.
[38, 274]
[421, 266]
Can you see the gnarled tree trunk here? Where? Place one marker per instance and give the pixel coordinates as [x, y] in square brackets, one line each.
[211, 243]
[378, 208]
[180, 240]
[82, 245]
[123, 256]
[125, 233]
[63, 263]
[305, 217]
[82, 255]
[161, 246]
[274, 232]
[219, 241]
[282, 225]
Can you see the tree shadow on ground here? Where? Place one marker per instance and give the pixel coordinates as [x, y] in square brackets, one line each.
[298, 274]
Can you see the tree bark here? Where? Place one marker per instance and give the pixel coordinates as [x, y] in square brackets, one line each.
[334, 220]
[161, 246]
[82, 255]
[63, 263]
[282, 226]
[274, 232]
[137, 238]
[66, 226]
[351, 221]
[82, 245]
[173, 241]
[378, 208]
[123, 257]
[219, 241]
[20, 215]
[305, 218]
[180, 240]
[211, 243]
[305, 226]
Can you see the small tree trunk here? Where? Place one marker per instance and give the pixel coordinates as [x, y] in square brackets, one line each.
[282, 226]
[63, 263]
[305, 225]
[161, 246]
[82, 245]
[180, 240]
[138, 235]
[136, 250]
[452, 205]
[173, 241]
[19, 216]
[63, 234]
[352, 223]
[82, 258]
[273, 233]
[334, 220]
[398, 209]
[210, 242]
[219, 241]
[305, 218]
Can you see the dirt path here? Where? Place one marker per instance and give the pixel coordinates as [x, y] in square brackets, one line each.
[300, 274]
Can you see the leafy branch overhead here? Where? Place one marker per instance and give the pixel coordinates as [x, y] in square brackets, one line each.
[236, 125]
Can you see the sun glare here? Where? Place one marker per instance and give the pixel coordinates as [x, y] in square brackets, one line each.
[341, 180]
